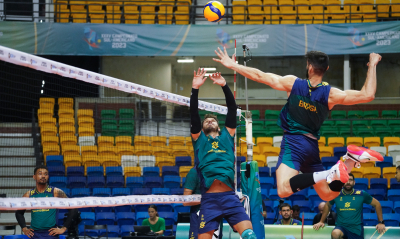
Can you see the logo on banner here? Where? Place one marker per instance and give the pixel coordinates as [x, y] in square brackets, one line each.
[80, 73]
[91, 38]
[105, 80]
[97, 78]
[22, 58]
[44, 64]
[53, 67]
[1, 52]
[11, 55]
[63, 69]
[223, 38]
[133, 88]
[88, 76]
[355, 37]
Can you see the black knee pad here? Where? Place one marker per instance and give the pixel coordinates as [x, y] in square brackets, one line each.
[336, 185]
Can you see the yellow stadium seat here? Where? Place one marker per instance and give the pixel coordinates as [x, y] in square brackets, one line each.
[287, 12]
[322, 141]
[45, 112]
[165, 12]
[107, 150]
[141, 140]
[123, 140]
[256, 14]
[47, 103]
[110, 161]
[271, 12]
[182, 13]
[358, 172]
[317, 7]
[358, 141]
[179, 150]
[66, 122]
[158, 141]
[78, 11]
[243, 141]
[65, 113]
[105, 141]
[335, 142]
[184, 170]
[351, 6]
[162, 151]
[114, 12]
[389, 172]
[326, 151]
[89, 150]
[143, 150]
[61, 11]
[304, 12]
[260, 159]
[68, 140]
[125, 150]
[96, 12]
[271, 151]
[390, 141]
[131, 13]
[147, 12]
[72, 161]
[66, 131]
[372, 142]
[48, 131]
[65, 103]
[264, 141]
[368, 164]
[188, 141]
[86, 122]
[132, 172]
[334, 11]
[91, 161]
[243, 151]
[372, 172]
[49, 140]
[51, 150]
[162, 161]
[367, 9]
[47, 121]
[239, 11]
[383, 7]
[176, 140]
[86, 131]
[83, 113]
[257, 150]
[70, 150]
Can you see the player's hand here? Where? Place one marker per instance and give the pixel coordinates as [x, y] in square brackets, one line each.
[374, 59]
[57, 231]
[28, 232]
[318, 225]
[218, 79]
[198, 78]
[380, 228]
[224, 58]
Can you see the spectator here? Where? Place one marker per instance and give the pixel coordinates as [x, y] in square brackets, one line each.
[331, 218]
[296, 212]
[156, 223]
[286, 213]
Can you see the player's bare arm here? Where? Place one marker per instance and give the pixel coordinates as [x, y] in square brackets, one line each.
[198, 80]
[325, 213]
[378, 209]
[21, 220]
[366, 94]
[277, 82]
[58, 193]
[189, 192]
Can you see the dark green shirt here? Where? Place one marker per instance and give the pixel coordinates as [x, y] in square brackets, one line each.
[43, 219]
[192, 182]
[349, 208]
[160, 224]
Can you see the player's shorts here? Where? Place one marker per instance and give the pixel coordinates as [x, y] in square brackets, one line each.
[301, 153]
[194, 222]
[215, 206]
[350, 235]
[43, 234]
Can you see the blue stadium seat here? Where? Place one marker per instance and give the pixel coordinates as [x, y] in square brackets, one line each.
[58, 181]
[125, 218]
[178, 207]
[126, 208]
[240, 160]
[269, 219]
[172, 181]
[91, 232]
[140, 216]
[88, 218]
[114, 171]
[267, 183]
[308, 218]
[16, 236]
[264, 193]
[95, 171]
[141, 207]
[105, 218]
[113, 231]
[170, 171]
[177, 191]
[299, 195]
[165, 208]
[387, 162]
[394, 195]
[329, 161]
[264, 172]
[387, 206]
[85, 209]
[269, 205]
[160, 191]
[115, 181]
[379, 194]
[120, 192]
[54, 160]
[394, 184]
[101, 192]
[183, 161]
[273, 194]
[60, 218]
[305, 206]
[126, 230]
[151, 171]
[67, 191]
[391, 219]
[315, 204]
[96, 182]
[273, 172]
[370, 219]
[168, 217]
[361, 184]
[396, 207]
[77, 182]
[134, 182]
[378, 183]
[313, 195]
[56, 171]
[80, 192]
[276, 204]
[141, 191]
[103, 209]
[76, 171]
[152, 182]
[367, 208]
[339, 151]
[80, 229]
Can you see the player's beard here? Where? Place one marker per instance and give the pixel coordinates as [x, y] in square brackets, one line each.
[42, 182]
[348, 187]
[209, 129]
[286, 218]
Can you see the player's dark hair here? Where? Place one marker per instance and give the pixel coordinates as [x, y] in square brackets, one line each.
[350, 174]
[319, 61]
[39, 167]
[296, 208]
[154, 207]
[285, 205]
[209, 116]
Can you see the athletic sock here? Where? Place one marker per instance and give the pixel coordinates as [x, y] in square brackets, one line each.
[319, 176]
[301, 181]
[248, 234]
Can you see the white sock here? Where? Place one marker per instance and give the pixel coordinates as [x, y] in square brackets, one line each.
[319, 176]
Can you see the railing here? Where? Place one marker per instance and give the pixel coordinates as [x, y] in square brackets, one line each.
[184, 12]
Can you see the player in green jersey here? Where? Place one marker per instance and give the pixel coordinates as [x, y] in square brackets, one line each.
[349, 207]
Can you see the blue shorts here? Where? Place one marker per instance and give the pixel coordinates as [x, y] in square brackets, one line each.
[350, 235]
[215, 206]
[43, 234]
[194, 223]
[301, 153]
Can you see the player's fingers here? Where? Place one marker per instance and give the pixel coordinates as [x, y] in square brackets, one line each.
[226, 53]
[217, 60]
[205, 78]
[233, 56]
[216, 52]
[220, 52]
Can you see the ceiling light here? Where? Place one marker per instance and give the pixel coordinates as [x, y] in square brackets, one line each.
[209, 68]
[187, 60]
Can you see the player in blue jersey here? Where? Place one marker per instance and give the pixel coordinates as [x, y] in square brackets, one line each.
[214, 161]
[308, 105]
[44, 221]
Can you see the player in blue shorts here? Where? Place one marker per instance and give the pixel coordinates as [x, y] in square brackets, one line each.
[309, 102]
[214, 161]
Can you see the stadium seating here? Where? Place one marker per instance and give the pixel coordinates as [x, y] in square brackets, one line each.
[379, 183]
[105, 218]
[125, 218]
[75, 171]
[172, 182]
[370, 219]
[120, 192]
[134, 182]
[391, 220]
[298, 196]
[170, 171]
[361, 183]
[267, 183]
[387, 206]
[308, 218]
[58, 181]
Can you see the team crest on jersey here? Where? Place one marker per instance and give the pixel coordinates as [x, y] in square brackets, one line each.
[215, 145]
[358, 192]
[48, 190]
[347, 204]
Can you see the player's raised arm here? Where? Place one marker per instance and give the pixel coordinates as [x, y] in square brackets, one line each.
[277, 82]
[230, 121]
[366, 94]
[195, 121]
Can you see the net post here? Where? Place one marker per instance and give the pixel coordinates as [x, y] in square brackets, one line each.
[235, 140]
[249, 136]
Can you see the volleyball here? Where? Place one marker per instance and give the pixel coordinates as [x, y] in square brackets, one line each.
[214, 11]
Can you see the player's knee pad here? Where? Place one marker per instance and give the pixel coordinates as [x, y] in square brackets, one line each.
[336, 185]
[248, 234]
